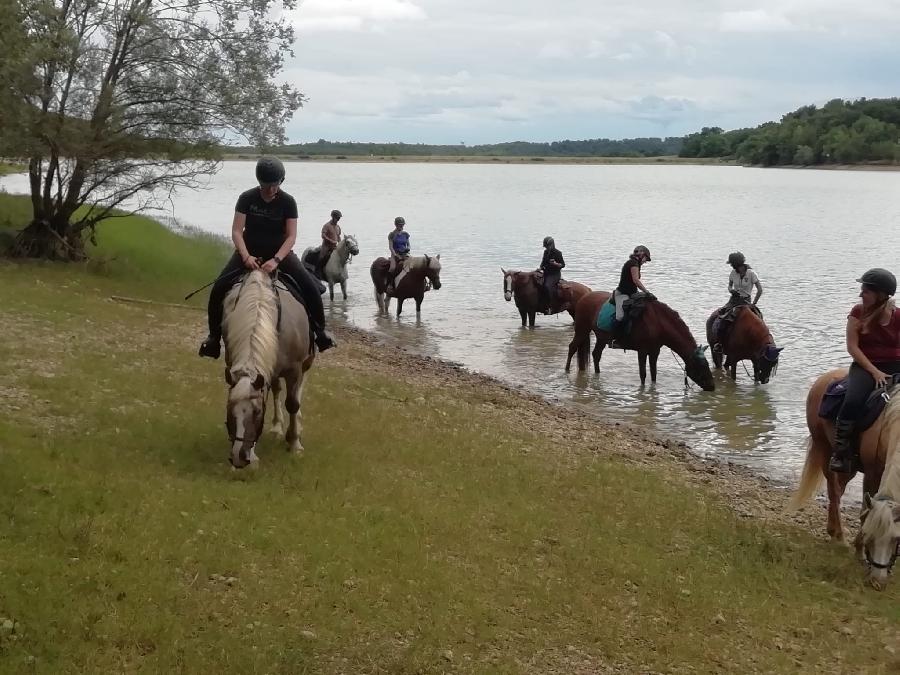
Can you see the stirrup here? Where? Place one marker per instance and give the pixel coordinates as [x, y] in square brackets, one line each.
[324, 341]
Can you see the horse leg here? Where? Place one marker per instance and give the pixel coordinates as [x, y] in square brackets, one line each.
[531, 319]
[331, 290]
[732, 371]
[654, 357]
[294, 382]
[598, 351]
[419, 299]
[836, 484]
[344, 288]
[277, 427]
[524, 316]
[399, 306]
[642, 366]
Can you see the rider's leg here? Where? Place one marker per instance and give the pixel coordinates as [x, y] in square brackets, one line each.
[211, 346]
[619, 325]
[859, 385]
[312, 297]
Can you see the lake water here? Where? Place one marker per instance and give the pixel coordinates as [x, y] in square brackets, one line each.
[808, 234]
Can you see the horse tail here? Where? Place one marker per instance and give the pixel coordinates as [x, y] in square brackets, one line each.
[584, 351]
[812, 476]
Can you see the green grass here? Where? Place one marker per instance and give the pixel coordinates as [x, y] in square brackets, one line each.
[7, 168]
[406, 532]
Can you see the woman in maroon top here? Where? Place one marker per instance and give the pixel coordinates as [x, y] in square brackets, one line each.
[873, 340]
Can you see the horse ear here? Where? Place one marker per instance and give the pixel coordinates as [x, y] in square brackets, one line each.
[503, 270]
[229, 378]
[704, 348]
[896, 513]
[867, 501]
[259, 382]
[779, 349]
[437, 257]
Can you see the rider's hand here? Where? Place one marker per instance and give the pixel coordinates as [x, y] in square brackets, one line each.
[250, 263]
[881, 379]
[269, 266]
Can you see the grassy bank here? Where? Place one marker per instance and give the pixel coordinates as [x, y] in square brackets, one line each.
[8, 167]
[425, 529]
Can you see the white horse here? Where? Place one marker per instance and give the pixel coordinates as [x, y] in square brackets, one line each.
[263, 344]
[336, 268]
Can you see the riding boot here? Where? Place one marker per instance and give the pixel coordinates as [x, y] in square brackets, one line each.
[212, 346]
[324, 340]
[842, 459]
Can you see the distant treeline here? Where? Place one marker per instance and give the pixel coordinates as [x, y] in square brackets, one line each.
[598, 147]
[840, 132]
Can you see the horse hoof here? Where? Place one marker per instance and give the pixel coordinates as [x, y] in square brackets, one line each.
[276, 430]
[296, 450]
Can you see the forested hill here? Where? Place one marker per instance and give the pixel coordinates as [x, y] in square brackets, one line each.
[840, 132]
[598, 147]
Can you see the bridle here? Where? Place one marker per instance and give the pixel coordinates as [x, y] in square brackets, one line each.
[889, 565]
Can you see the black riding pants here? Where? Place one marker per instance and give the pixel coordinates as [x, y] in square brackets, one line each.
[551, 284]
[859, 386]
[291, 265]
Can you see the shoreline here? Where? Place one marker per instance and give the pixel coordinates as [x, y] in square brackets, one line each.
[748, 493]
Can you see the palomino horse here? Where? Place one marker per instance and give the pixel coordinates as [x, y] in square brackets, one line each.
[267, 337]
[335, 271]
[524, 287]
[879, 452]
[421, 273]
[658, 327]
[749, 338]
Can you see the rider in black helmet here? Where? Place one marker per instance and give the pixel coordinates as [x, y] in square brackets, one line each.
[263, 231]
[552, 264]
[741, 282]
[873, 340]
[629, 283]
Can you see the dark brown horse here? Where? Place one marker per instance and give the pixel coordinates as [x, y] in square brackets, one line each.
[421, 273]
[748, 339]
[524, 287]
[659, 326]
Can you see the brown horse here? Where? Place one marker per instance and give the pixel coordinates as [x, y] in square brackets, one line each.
[529, 297]
[659, 326]
[421, 274]
[879, 453]
[748, 339]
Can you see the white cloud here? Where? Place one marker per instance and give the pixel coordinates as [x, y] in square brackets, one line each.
[353, 15]
[754, 21]
[555, 50]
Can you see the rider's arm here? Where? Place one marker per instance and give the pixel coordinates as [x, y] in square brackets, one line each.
[853, 328]
[636, 278]
[237, 234]
[561, 263]
[290, 238]
[759, 291]
[326, 234]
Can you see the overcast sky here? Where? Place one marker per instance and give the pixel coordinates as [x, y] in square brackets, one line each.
[483, 71]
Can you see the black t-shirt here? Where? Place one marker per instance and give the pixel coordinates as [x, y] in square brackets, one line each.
[552, 254]
[626, 284]
[264, 231]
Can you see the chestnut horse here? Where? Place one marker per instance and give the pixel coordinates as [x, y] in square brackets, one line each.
[879, 453]
[529, 298]
[423, 273]
[749, 338]
[659, 326]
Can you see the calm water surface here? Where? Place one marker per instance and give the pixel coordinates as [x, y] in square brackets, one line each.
[808, 234]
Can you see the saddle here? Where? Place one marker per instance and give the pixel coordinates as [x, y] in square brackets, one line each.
[834, 398]
[633, 309]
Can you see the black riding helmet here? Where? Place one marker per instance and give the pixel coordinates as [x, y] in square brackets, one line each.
[736, 259]
[335, 214]
[399, 220]
[269, 171]
[641, 251]
[548, 241]
[879, 279]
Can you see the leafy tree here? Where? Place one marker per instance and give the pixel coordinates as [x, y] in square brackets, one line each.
[127, 99]
[804, 156]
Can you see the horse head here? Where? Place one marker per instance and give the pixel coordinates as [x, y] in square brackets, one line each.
[879, 538]
[245, 412]
[349, 245]
[433, 271]
[765, 365]
[509, 278]
[696, 367]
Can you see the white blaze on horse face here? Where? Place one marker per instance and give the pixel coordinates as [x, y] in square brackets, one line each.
[881, 534]
[507, 287]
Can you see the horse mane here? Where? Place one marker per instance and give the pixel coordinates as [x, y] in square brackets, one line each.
[890, 436]
[422, 262]
[251, 326]
[676, 320]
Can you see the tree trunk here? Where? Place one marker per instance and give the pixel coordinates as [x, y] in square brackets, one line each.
[53, 240]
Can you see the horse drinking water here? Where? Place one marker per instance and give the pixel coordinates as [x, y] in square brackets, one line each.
[748, 338]
[335, 271]
[420, 274]
[659, 326]
[524, 287]
[267, 339]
